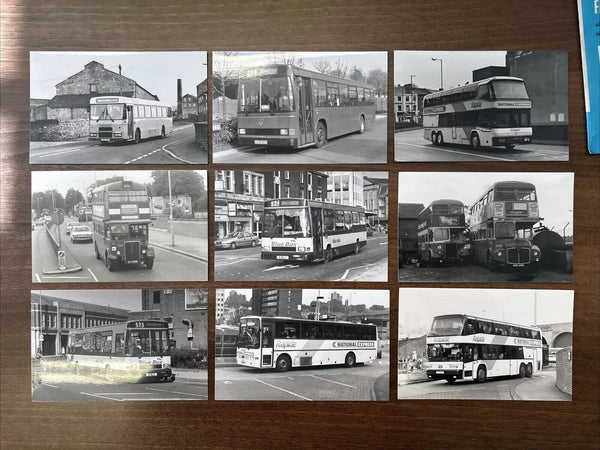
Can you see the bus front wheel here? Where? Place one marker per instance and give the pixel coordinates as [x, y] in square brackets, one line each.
[138, 136]
[149, 263]
[110, 264]
[357, 248]
[509, 147]
[321, 135]
[361, 128]
[434, 138]
[490, 263]
[475, 141]
[327, 255]
[350, 360]
[162, 132]
[283, 363]
[481, 374]
[97, 252]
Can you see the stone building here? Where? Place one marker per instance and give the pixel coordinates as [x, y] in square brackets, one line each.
[376, 195]
[189, 106]
[408, 104]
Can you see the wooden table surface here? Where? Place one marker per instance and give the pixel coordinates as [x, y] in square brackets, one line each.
[292, 25]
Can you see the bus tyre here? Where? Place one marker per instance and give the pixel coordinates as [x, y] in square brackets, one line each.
[481, 374]
[149, 263]
[97, 252]
[283, 363]
[434, 138]
[321, 135]
[232, 246]
[350, 360]
[451, 380]
[475, 142]
[357, 248]
[440, 138]
[490, 263]
[162, 132]
[529, 370]
[509, 147]
[522, 371]
[361, 125]
[110, 264]
[327, 255]
[138, 136]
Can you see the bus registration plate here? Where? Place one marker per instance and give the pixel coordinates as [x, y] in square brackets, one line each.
[439, 372]
[104, 140]
[152, 374]
[260, 142]
[283, 257]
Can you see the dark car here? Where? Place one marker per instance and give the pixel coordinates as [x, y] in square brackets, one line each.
[237, 239]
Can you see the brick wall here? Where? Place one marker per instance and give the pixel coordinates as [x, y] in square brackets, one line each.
[564, 370]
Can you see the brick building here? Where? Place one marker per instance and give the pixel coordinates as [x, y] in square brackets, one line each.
[376, 195]
[175, 306]
[189, 106]
[408, 215]
[286, 184]
[277, 302]
[408, 104]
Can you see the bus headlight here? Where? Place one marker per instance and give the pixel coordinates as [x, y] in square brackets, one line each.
[284, 131]
[499, 253]
[92, 134]
[113, 249]
[118, 134]
[143, 251]
[439, 247]
[118, 252]
[242, 131]
[266, 248]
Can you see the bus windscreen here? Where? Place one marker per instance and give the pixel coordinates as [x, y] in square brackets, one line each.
[107, 112]
[286, 222]
[270, 94]
[509, 89]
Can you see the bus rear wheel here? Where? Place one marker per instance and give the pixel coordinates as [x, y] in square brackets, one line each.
[434, 138]
[481, 374]
[522, 371]
[138, 136]
[475, 141]
[283, 363]
[440, 138]
[321, 135]
[162, 132]
[361, 124]
[97, 252]
[350, 360]
[529, 370]
[357, 248]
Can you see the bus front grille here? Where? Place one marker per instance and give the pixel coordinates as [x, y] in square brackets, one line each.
[105, 132]
[132, 252]
[263, 131]
[518, 256]
[284, 249]
[451, 251]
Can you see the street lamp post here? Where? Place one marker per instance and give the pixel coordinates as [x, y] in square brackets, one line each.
[412, 102]
[441, 72]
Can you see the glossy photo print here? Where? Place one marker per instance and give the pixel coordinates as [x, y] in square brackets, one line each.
[481, 106]
[119, 345]
[302, 344]
[118, 108]
[485, 227]
[114, 226]
[485, 344]
[299, 107]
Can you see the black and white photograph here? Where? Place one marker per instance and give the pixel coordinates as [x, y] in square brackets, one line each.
[114, 226]
[302, 344]
[485, 344]
[481, 106]
[301, 226]
[119, 345]
[299, 107]
[485, 227]
[118, 108]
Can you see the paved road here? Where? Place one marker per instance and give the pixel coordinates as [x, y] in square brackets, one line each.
[177, 148]
[539, 387]
[411, 146]
[477, 273]
[369, 147]
[168, 265]
[362, 382]
[245, 265]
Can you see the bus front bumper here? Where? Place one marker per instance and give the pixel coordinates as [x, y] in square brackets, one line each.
[270, 141]
[510, 140]
[443, 374]
[291, 256]
[165, 375]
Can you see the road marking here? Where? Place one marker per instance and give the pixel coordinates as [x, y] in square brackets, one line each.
[90, 271]
[143, 156]
[157, 399]
[234, 262]
[281, 389]
[37, 277]
[101, 396]
[64, 276]
[47, 155]
[383, 243]
[456, 151]
[352, 268]
[176, 392]
[285, 266]
[181, 253]
[50, 385]
[168, 152]
[345, 275]
[336, 382]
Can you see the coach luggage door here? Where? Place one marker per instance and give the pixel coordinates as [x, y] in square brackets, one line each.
[266, 344]
[305, 111]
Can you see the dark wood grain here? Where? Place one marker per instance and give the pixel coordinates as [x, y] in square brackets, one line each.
[289, 25]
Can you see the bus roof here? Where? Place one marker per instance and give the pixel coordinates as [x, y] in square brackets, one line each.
[288, 69]
[469, 87]
[301, 202]
[297, 319]
[513, 184]
[499, 322]
[113, 99]
[447, 202]
[120, 186]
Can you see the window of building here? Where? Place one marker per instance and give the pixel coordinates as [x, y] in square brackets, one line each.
[93, 87]
[286, 175]
[286, 191]
[156, 298]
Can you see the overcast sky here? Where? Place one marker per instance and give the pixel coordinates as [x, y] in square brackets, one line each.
[418, 306]
[554, 190]
[365, 60]
[157, 72]
[457, 66]
[130, 299]
[81, 179]
[356, 297]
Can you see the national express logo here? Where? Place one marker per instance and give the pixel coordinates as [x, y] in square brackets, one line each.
[336, 344]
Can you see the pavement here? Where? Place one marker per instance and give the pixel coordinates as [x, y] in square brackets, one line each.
[543, 389]
[191, 374]
[371, 273]
[194, 247]
[418, 376]
[48, 257]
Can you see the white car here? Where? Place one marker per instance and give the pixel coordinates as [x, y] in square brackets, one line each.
[70, 226]
[81, 233]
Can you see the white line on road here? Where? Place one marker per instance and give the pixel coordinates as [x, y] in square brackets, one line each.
[428, 147]
[281, 389]
[50, 385]
[37, 277]
[352, 268]
[345, 275]
[164, 147]
[102, 396]
[176, 392]
[285, 266]
[383, 243]
[65, 277]
[234, 262]
[47, 155]
[90, 271]
[181, 252]
[143, 156]
[336, 382]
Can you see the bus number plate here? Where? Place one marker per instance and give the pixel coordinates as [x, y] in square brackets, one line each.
[152, 374]
[104, 140]
[439, 372]
[283, 257]
[260, 142]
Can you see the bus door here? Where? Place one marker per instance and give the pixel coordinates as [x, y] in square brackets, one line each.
[130, 121]
[266, 344]
[317, 229]
[305, 111]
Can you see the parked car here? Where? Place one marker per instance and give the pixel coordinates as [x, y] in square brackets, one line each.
[81, 233]
[70, 226]
[237, 239]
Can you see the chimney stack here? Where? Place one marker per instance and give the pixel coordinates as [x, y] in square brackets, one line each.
[179, 99]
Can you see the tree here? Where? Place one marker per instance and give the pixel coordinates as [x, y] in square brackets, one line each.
[322, 66]
[378, 78]
[49, 200]
[72, 199]
[362, 308]
[235, 300]
[377, 308]
[183, 182]
[357, 74]
[291, 58]
[340, 69]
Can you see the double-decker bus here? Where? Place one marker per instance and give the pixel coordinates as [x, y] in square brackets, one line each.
[462, 347]
[128, 119]
[120, 218]
[486, 113]
[501, 226]
[308, 230]
[285, 106]
[442, 234]
[284, 342]
[137, 350]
